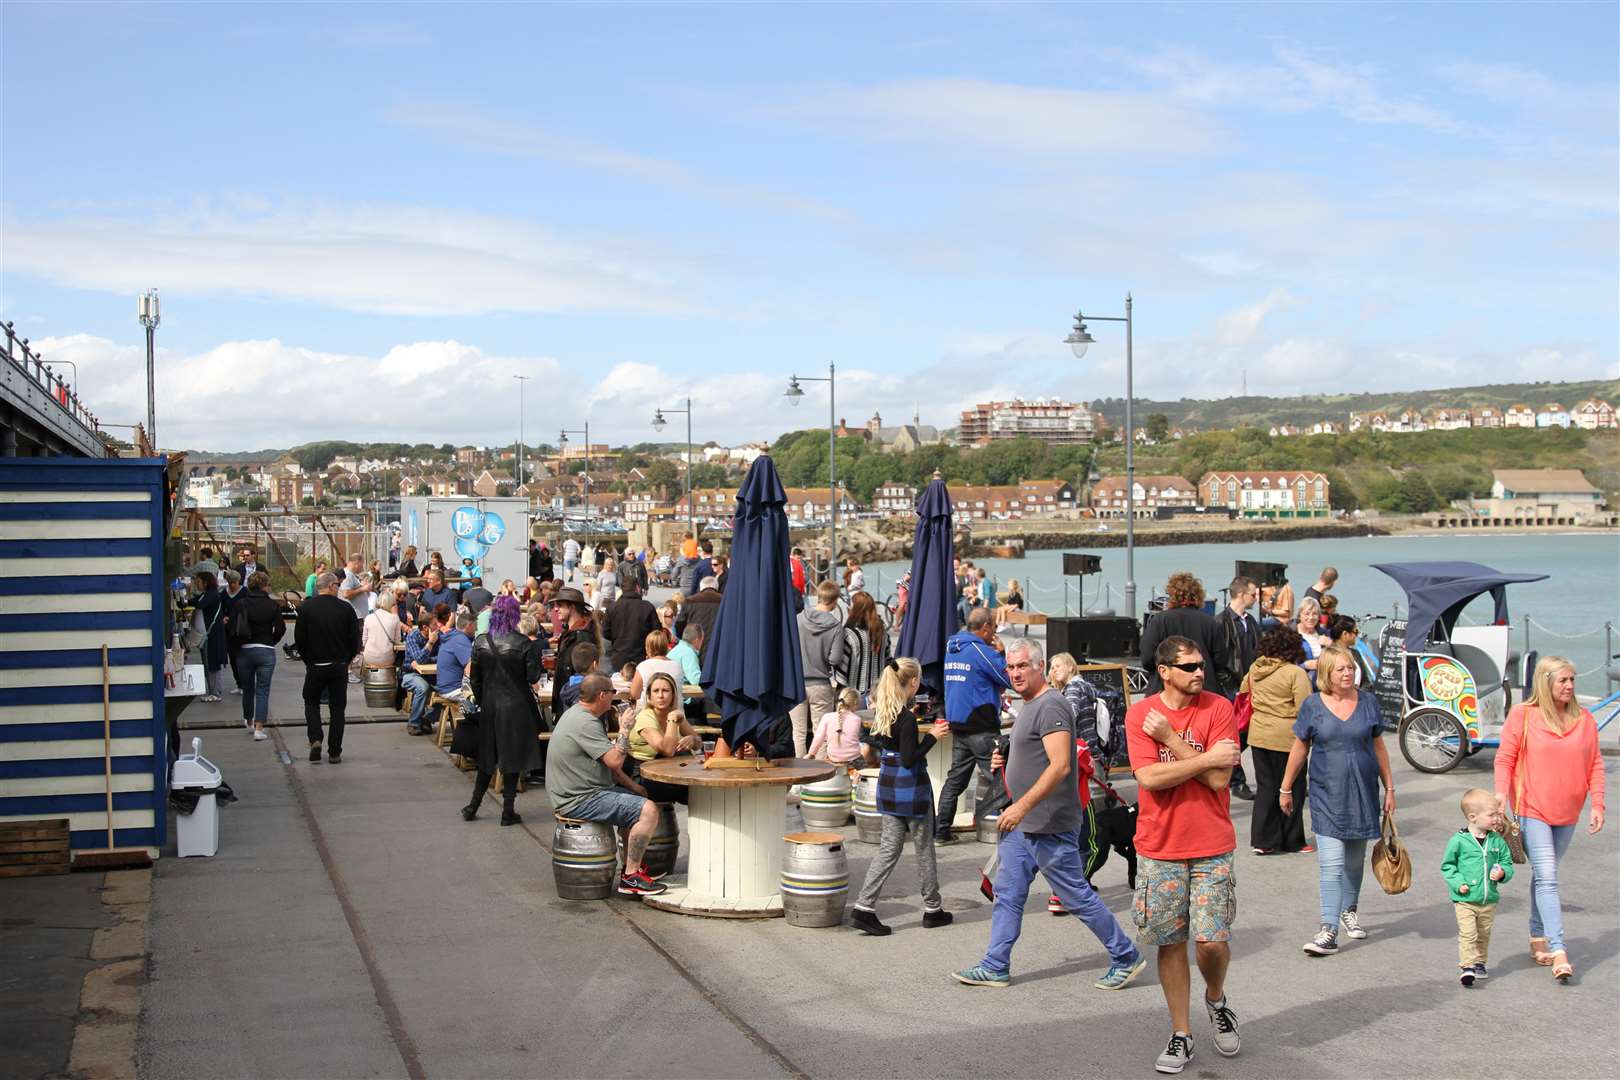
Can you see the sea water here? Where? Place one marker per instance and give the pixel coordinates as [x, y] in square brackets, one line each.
[1581, 593]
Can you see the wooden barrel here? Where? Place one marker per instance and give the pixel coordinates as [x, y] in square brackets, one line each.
[584, 857]
[815, 879]
[868, 821]
[665, 843]
[379, 688]
[826, 804]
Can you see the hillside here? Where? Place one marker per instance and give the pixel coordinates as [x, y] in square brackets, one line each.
[1265, 411]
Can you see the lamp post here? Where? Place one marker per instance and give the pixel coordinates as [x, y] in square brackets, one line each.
[562, 441]
[146, 306]
[658, 425]
[521, 379]
[1078, 340]
[794, 394]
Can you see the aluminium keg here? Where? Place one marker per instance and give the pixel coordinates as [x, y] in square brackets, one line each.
[379, 688]
[584, 858]
[815, 879]
[826, 804]
[868, 821]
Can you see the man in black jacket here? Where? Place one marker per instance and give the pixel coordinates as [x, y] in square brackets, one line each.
[703, 609]
[327, 634]
[1186, 618]
[578, 626]
[1239, 637]
[630, 619]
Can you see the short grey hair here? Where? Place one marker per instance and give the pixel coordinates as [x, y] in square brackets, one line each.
[232, 577]
[709, 582]
[465, 619]
[325, 580]
[692, 634]
[1031, 649]
[978, 619]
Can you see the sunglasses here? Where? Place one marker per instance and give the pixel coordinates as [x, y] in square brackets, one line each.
[1189, 667]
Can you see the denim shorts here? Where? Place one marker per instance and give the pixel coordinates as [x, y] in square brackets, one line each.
[609, 805]
[1178, 898]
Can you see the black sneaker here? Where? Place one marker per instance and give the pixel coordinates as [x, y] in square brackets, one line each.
[1480, 974]
[944, 838]
[1244, 792]
[1325, 943]
[1466, 977]
[314, 751]
[932, 919]
[867, 922]
[512, 818]
[1176, 1054]
[334, 757]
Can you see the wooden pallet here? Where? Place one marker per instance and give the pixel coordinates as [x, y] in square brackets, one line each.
[35, 848]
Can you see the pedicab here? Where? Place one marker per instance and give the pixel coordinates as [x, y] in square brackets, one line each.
[1457, 681]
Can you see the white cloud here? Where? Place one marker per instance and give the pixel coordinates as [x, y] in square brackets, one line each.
[403, 260]
[1241, 326]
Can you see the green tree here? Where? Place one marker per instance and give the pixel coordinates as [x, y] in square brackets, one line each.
[503, 491]
[1158, 427]
[423, 489]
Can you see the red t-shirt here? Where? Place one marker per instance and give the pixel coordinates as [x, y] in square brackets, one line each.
[1188, 821]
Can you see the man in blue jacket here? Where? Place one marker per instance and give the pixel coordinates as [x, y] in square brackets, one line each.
[975, 676]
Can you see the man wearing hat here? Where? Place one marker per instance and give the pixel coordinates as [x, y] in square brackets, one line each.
[572, 615]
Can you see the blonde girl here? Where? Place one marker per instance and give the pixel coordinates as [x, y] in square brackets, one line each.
[905, 797]
[838, 735]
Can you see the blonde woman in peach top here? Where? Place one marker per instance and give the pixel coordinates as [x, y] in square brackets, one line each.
[1546, 768]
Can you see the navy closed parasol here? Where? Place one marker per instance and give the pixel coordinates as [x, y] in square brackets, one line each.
[931, 612]
[752, 668]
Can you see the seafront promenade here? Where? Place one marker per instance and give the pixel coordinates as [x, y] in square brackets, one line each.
[353, 925]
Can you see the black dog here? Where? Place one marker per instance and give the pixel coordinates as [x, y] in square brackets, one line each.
[1116, 831]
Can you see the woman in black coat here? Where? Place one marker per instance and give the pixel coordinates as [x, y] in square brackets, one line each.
[210, 619]
[504, 669]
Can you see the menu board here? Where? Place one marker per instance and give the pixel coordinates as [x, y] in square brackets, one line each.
[1388, 690]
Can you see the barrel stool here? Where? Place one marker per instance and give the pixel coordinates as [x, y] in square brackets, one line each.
[868, 822]
[584, 859]
[815, 879]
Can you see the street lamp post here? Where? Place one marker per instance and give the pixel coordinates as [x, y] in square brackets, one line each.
[521, 379]
[794, 394]
[562, 441]
[658, 425]
[1078, 340]
[147, 308]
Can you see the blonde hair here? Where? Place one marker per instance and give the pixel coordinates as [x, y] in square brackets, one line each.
[528, 626]
[1541, 697]
[1308, 604]
[1061, 668]
[891, 696]
[1331, 659]
[849, 700]
[1477, 801]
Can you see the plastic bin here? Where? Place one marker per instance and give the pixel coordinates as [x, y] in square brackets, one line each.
[198, 831]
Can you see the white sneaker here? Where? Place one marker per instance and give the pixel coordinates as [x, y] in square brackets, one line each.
[260, 736]
[1352, 924]
[237, 690]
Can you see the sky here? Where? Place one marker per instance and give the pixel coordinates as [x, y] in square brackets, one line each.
[365, 220]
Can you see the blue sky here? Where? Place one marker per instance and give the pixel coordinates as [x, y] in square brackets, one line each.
[630, 203]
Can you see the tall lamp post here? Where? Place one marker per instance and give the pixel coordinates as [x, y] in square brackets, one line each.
[1078, 340]
[521, 379]
[562, 441]
[794, 394]
[658, 422]
[146, 306]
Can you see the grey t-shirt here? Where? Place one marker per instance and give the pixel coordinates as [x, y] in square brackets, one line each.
[477, 598]
[574, 766]
[361, 602]
[1026, 760]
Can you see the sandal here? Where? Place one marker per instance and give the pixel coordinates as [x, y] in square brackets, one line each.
[1562, 969]
[1539, 953]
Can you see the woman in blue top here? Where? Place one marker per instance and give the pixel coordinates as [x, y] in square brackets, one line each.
[1340, 731]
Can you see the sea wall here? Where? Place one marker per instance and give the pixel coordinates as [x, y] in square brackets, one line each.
[1162, 537]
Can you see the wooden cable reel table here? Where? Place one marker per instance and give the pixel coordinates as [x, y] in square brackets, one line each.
[735, 823]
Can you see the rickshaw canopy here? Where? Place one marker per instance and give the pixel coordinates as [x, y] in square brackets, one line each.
[1436, 593]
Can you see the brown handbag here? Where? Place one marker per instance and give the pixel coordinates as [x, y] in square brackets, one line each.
[1391, 863]
[1508, 826]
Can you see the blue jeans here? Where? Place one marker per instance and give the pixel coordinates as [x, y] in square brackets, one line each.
[1340, 864]
[1545, 844]
[1056, 855]
[614, 806]
[419, 690]
[256, 665]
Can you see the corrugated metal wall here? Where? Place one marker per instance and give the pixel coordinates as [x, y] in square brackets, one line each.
[81, 566]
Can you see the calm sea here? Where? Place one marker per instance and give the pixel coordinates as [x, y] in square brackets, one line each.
[1582, 591]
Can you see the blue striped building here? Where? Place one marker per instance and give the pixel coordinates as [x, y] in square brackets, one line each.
[81, 566]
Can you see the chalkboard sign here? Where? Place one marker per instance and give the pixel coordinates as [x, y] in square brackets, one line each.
[1112, 683]
[1390, 690]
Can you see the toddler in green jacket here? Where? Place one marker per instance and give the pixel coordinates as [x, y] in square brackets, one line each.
[1477, 858]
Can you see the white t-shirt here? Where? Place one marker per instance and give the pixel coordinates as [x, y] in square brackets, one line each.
[857, 582]
[571, 550]
[652, 666]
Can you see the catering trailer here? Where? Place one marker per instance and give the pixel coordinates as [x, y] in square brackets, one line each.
[494, 533]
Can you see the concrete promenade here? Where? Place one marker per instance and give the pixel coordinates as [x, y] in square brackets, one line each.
[353, 925]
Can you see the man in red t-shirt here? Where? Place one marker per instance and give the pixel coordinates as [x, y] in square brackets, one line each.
[1183, 746]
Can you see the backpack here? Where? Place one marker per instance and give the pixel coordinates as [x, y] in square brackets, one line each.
[240, 631]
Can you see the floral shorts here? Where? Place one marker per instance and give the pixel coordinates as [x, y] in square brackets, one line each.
[1182, 897]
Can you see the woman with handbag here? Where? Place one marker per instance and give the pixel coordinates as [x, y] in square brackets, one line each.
[209, 621]
[1340, 729]
[1546, 768]
[905, 797]
[1278, 688]
[501, 675]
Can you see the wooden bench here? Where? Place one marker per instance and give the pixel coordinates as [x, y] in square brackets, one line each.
[1026, 619]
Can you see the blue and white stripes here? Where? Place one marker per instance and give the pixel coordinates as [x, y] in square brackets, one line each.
[81, 567]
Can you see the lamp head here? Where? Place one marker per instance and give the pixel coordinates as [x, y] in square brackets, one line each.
[1079, 338]
[795, 392]
[562, 437]
[658, 420]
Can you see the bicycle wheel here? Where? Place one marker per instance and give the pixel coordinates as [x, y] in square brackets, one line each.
[1432, 740]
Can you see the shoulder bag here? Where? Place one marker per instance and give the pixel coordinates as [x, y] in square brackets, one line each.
[1391, 862]
[1508, 826]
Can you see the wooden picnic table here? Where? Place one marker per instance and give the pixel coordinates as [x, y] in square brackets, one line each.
[735, 823]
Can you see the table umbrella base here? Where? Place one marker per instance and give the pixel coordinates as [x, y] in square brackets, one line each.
[684, 901]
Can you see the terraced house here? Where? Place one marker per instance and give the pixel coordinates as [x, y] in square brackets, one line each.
[1282, 494]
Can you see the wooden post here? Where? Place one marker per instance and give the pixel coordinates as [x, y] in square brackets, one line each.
[106, 742]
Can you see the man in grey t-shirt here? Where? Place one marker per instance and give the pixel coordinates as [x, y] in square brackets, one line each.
[1040, 830]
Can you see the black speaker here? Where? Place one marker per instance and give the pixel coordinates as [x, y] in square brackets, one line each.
[1263, 573]
[1092, 637]
[1080, 563]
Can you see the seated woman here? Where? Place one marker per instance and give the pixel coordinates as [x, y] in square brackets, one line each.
[1013, 601]
[657, 645]
[380, 632]
[661, 729]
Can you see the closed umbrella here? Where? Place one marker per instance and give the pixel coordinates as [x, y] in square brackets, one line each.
[931, 612]
[751, 668]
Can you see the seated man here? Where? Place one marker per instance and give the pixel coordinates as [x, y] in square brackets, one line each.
[452, 651]
[585, 780]
[418, 647]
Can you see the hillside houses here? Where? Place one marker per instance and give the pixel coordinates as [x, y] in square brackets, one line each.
[1150, 493]
[1279, 493]
[1594, 414]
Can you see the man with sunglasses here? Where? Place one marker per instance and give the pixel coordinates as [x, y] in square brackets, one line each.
[1183, 747]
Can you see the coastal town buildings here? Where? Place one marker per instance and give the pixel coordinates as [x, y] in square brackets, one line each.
[1593, 414]
[894, 499]
[1062, 423]
[902, 439]
[1151, 493]
[1553, 414]
[1521, 416]
[1532, 493]
[1281, 493]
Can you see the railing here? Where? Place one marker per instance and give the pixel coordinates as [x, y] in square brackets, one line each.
[33, 367]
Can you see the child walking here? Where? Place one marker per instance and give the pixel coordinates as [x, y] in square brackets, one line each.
[905, 798]
[838, 735]
[1477, 859]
